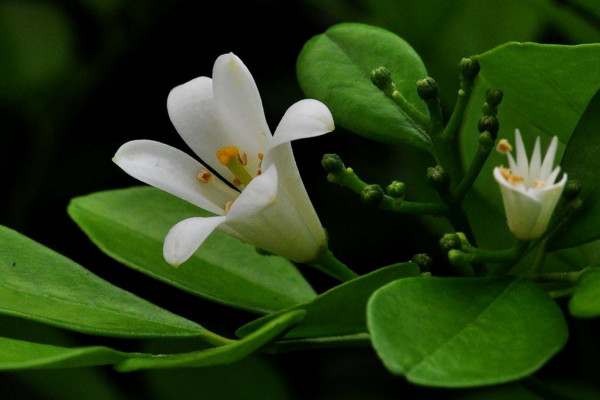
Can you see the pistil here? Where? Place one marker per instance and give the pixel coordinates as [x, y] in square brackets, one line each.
[231, 157]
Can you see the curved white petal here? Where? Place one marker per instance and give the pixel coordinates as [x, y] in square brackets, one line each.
[173, 171]
[522, 164]
[186, 236]
[535, 163]
[192, 111]
[239, 108]
[549, 159]
[261, 192]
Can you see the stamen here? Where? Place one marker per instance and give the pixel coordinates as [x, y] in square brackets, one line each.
[204, 176]
[228, 206]
[261, 156]
[503, 146]
[258, 172]
[539, 184]
[505, 172]
[236, 182]
[234, 160]
[510, 178]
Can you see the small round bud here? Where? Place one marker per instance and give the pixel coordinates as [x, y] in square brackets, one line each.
[489, 109]
[332, 163]
[396, 189]
[427, 88]
[493, 96]
[450, 241]
[437, 177]
[372, 195]
[490, 124]
[486, 141]
[572, 189]
[468, 68]
[381, 77]
[457, 257]
[423, 261]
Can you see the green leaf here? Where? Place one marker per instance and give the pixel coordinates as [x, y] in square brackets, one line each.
[227, 354]
[341, 310]
[459, 332]
[39, 284]
[335, 68]
[131, 224]
[19, 354]
[585, 302]
[539, 99]
[581, 161]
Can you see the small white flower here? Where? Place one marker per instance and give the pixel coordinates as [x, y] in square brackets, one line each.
[529, 191]
[223, 122]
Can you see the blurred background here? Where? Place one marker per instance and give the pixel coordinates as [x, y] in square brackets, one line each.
[81, 77]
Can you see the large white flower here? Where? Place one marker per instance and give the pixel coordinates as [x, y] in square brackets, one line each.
[529, 188]
[223, 122]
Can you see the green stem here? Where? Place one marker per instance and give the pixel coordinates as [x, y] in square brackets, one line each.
[215, 339]
[327, 263]
[540, 258]
[435, 116]
[508, 257]
[464, 94]
[568, 277]
[567, 292]
[412, 207]
[472, 173]
[355, 340]
[409, 109]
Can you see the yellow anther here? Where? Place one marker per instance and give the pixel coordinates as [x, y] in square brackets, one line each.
[503, 146]
[243, 158]
[205, 176]
[258, 172]
[539, 184]
[261, 156]
[228, 206]
[226, 154]
[510, 178]
[236, 182]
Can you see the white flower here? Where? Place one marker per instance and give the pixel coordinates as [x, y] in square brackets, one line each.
[529, 191]
[223, 122]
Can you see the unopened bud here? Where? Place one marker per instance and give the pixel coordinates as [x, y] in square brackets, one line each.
[382, 78]
[572, 189]
[332, 163]
[450, 241]
[489, 109]
[427, 88]
[493, 97]
[423, 261]
[437, 177]
[490, 124]
[396, 189]
[372, 195]
[457, 257]
[486, 141]
[468, 68]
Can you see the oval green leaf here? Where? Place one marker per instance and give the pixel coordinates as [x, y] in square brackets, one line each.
[39, 284]
[226, 354]
[585, 302]
[463, 332]
[335, 68]
[130, 225]
[340, 310]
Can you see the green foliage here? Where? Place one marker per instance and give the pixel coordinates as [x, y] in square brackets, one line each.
[585, 302]
[131, 224]
[335, 67]
[454, 332]
[41, 285]
[341, 310]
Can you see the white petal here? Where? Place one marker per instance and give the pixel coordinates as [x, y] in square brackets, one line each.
[304, 119]
[548, 197]
[549, 159]
[186, 236]
[512, 164]
[522, 164]
[239, 108]
[535, 163]
[260, 193]
[192, 112]
[173, 171]
[553, 176]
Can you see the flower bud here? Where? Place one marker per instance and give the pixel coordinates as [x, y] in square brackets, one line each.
[490, 124]
[382, 78]
[423, 261]
[450, 241]
[493, 97]
[332, 163]
[457, 257]
[427, 88]
[486, 141]
[396, 189]
[437, 177]
[488, 109]
[468, 68]
[372, 195]
[572, 189]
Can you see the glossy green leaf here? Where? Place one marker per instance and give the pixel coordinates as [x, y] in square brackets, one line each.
[585, 302]
[335, 68]
[131, 224]
[19, 354]
[39, 284]
[539, 99]
[459, 332]
[226, 354]
[581, 161]
[341, 310]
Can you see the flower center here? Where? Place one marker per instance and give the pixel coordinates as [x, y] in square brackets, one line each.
[235, 161]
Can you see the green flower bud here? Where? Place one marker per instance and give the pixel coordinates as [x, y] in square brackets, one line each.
[427, 88]
[382, 78]
[372, 195]
[572, 189]
[489, 109]
[457, 257]
[450, 241]
[468, 68]
[490, 124]
[486, 141]
[396, 189]
[437, 177]
[332, 163]
[493, 96]
[423, 261]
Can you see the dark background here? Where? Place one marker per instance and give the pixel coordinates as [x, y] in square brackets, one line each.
[78, 78]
